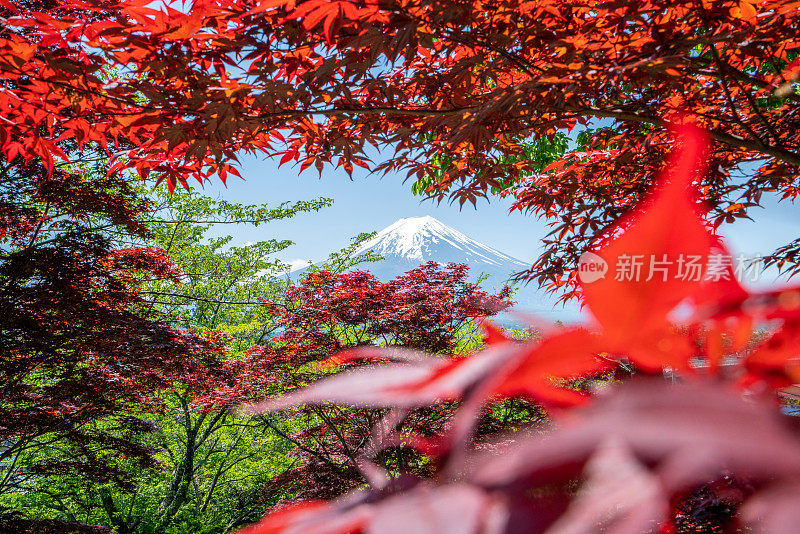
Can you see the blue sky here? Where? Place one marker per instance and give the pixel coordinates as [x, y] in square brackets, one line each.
[370, 203]
[365, 204]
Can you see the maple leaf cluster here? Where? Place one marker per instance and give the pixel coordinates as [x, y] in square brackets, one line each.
[642, 454]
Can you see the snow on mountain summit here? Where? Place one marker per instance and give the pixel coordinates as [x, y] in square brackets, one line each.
[416, 240]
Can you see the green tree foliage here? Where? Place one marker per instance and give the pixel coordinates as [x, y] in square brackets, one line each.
[219, 282]
[535, 156]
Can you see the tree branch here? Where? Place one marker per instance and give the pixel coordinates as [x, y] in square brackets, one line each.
[784, 155]
[291, 114]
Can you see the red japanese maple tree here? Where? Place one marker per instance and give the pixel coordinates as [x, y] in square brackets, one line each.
[429, 308]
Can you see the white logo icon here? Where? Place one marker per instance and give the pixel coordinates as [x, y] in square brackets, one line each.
[591, 267]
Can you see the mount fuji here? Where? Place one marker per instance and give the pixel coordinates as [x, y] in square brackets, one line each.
[412, 241]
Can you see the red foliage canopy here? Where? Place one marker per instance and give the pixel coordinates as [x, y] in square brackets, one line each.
[468, 83]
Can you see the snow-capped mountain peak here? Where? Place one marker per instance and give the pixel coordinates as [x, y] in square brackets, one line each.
[410, 242]
[416, 240]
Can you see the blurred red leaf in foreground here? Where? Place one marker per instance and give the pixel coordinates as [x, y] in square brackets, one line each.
[636, 450]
